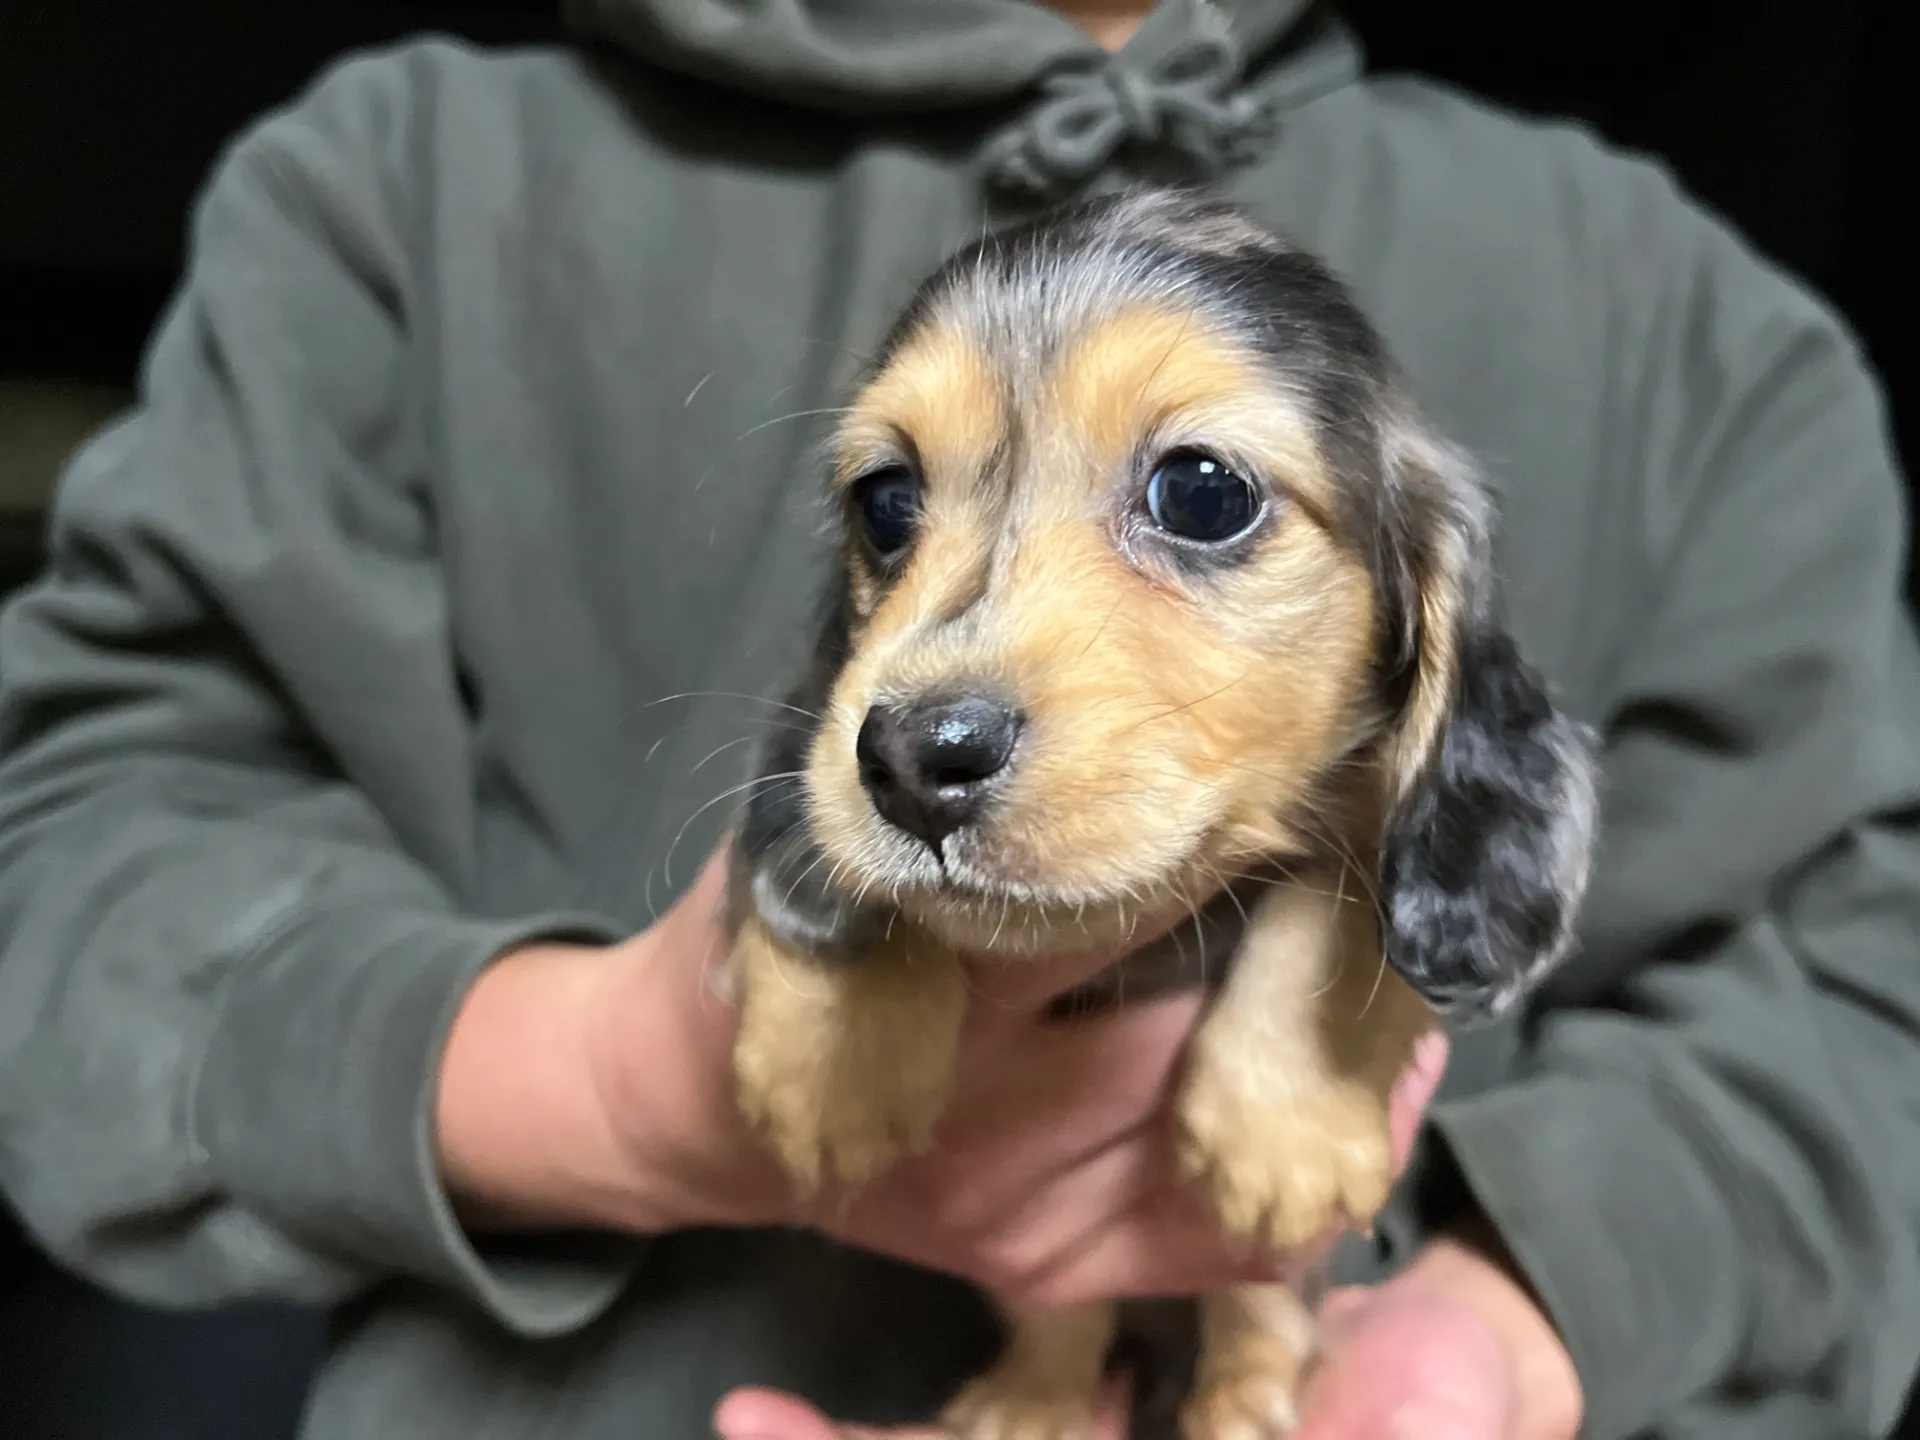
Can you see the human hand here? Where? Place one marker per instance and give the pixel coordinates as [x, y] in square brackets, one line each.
[1054, 1178]
[766, 1415]
[1456, 1348]
[594, 1085]
[587, 1085]
[770, 1415]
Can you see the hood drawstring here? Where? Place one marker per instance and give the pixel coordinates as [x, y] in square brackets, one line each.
[1195, 98]
[1189, 99]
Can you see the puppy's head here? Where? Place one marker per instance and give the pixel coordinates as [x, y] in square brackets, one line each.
[1152, 575]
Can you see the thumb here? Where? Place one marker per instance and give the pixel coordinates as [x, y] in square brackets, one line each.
[1392, 1364]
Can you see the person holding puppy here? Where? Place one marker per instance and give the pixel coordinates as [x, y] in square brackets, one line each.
[340, 805]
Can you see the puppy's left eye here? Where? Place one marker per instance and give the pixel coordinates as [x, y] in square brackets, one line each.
[888, 504]
[1194, 496]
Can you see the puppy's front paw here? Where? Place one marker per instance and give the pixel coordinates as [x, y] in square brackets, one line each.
[843, 1067]
[1000, 1406]
[1289, 1169]
[822, 1125]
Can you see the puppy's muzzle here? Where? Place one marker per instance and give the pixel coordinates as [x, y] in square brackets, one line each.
[929, 767]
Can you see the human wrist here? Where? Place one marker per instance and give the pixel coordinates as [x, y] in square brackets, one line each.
[659, 1051]
[587, 1086]
[1469, 1265]
[521, 1136]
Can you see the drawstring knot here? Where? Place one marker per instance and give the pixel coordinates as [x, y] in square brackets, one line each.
[1188, 99]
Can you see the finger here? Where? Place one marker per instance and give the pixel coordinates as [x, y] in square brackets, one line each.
[1339, 1310]
[1113, 1408]
[1413, 1092]
[770, 1415]
[1391, 1366]
[693, 935]
[709, 886]
[753, 1414]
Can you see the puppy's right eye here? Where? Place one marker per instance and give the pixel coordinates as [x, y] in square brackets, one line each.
[888, 504]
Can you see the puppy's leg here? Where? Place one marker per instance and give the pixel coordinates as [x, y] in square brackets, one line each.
[1044, 1384]
[1253, 1342]
[843, 1064]
[1284, 1121]
[1283, 1114]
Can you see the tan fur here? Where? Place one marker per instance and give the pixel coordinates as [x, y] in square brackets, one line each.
[1254, 1342]
[939, 393]
[844, 1069]
[1284, 1113]
[1166, 735]
[1283, 1121]
[1043, 1385]
[1431, 699]
[1149, 373]
[1175, 733]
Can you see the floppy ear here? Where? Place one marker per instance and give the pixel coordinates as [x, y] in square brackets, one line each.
[1491, 790]
[779, 871]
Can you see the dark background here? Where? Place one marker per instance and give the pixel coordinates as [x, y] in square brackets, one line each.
[1784, 116]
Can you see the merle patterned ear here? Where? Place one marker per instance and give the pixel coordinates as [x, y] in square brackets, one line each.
[1485, 857]
[778, 867]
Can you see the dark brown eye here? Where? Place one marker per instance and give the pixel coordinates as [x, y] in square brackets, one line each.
[888, 503]
[1198, 498]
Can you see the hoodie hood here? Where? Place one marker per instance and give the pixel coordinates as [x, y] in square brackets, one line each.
[1201, 78]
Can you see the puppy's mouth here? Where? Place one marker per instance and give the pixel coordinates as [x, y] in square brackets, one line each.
[947, 820]
[977, 893]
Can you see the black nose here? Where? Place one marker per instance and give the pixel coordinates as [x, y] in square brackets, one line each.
[926, 766]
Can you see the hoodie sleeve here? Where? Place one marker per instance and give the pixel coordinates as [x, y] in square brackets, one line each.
[1710, 1164]
[235, 784]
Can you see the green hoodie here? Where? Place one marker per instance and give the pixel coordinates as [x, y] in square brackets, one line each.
[485, 418]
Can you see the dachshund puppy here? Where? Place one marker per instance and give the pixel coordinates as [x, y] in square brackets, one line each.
[1158, 600]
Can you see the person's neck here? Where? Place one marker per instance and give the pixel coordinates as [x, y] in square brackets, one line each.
[1111, 22]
